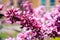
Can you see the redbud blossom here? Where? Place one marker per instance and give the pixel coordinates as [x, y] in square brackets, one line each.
[13, 14]
[37, 21]
[1, 7]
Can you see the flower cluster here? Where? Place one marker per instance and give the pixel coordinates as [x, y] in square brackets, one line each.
[54, 18]
[28, 35]
[27, 7]
[40, 23]
[13, 15]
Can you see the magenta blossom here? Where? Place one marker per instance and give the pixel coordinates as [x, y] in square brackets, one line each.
[28, 35]
[39, 23]
[27, 7]
[13, 14]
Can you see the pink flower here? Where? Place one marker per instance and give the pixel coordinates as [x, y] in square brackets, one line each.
[10, 38]
[27, 6]
[25, 36]
[1, 7]
[13, 14]
[38, 22]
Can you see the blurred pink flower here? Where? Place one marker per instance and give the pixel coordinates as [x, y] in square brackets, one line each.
[10, 38]
[1, 7]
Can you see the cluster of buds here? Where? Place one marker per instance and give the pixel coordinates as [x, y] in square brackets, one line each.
[27, 7]
[54, 20]
[28, 35]
[13, 15]
[37, 20]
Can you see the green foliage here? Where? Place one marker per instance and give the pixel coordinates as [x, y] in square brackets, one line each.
[4, 35]
[57, 38]
[15, 34]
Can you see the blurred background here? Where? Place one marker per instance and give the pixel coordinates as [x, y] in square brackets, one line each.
[7, 30]
[47, 3]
